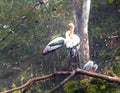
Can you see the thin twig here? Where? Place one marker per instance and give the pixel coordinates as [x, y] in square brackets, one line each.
[63, 82]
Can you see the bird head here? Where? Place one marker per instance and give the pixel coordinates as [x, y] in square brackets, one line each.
[71, 28]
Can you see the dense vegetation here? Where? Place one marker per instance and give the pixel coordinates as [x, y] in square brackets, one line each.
[27, 26]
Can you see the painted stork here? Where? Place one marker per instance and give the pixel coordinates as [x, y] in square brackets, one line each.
[90, 66]
[71, 41]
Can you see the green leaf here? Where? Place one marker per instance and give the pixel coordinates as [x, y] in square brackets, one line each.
[71, 86]
[92, 88]
[14, 86]
[110, 1]
[103, 87]
[84, 81]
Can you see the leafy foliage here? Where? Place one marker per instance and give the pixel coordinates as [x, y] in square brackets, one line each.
[14, 86]
[71, 86]
[88, 85]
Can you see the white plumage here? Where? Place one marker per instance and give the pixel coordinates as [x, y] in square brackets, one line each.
[71, 40]
[90, 65]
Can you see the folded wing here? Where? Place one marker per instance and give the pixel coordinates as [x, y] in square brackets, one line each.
[53, 45]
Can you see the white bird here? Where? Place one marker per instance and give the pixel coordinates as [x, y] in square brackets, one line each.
[72, 42]
[90, 66]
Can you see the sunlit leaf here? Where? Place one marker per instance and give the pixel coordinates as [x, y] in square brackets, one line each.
[110, 1]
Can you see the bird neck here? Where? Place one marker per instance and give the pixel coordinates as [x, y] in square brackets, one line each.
[71, 30]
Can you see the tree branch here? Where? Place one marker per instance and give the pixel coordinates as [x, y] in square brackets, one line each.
[31, 81]
[70, 73]
[63, 82]
[28, 83]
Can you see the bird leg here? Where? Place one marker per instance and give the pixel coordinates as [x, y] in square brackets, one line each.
[75, 61]
[56, 59]
[72, 63]
[79, 61]
[54, 66]
[54, 62]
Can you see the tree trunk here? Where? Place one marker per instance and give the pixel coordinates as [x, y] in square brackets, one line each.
[81, 16]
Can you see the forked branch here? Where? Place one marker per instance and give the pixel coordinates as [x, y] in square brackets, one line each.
[71, 75]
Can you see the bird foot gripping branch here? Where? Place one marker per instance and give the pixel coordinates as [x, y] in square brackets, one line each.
[71, 41]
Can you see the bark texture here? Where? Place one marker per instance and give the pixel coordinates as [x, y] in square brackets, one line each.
[81, 16]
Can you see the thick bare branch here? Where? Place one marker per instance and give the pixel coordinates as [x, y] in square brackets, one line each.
[28, 83]
[31, 81]
[97, 75]
[70, 73]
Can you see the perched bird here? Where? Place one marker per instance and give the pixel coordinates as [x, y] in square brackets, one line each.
[71, 40]
[90, 66]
